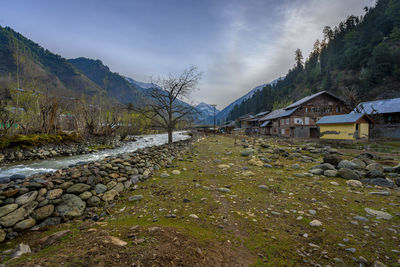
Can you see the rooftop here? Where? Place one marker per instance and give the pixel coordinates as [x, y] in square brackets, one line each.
[379, 106]
[307, 98]
[346, 118]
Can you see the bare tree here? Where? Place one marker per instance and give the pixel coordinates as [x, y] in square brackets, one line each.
[164, 106]
[350, 97]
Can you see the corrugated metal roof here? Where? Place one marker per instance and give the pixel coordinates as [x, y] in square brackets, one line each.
[307, 98]
[278, 113]
[379, 106]
[265, 124]
[346, 118]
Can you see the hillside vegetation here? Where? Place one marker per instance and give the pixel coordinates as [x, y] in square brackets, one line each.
[359, 57]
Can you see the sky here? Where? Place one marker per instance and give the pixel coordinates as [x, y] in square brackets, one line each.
[236, 44]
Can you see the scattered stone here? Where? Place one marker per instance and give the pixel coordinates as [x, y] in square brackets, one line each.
[352, 250]
[115, 241]
[135, 198]
[223, 166]
[360, 218]
[109, 195]
[332, 159]
[20, 250]
[247, 152]
[224, 190]
[263, 186]
[379, 214]
[330, 173]
[346, 164]
[51, 239]
[315, 223]
[348, 174]
[354, 183]
[312, 212]
[164, 175]
[176, 172]
[193, 216]
[380, 193]
[334, 183]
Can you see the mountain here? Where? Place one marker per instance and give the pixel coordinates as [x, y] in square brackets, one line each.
[358, 60]
[115, 85]
[206, 113]
[38, 68]
[141, 86]
[223, 114]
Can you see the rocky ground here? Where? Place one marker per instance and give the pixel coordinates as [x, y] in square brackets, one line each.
[227, 203]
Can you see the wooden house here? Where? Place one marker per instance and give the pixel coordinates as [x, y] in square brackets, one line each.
[299, 119]
[351, 126]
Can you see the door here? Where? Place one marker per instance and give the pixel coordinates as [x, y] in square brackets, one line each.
[314, 133]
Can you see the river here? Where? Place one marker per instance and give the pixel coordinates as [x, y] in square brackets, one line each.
[50, 165]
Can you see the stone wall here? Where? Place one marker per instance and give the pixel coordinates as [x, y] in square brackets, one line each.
[48, 199]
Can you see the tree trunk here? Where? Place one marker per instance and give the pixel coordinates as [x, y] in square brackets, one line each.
[170, 136]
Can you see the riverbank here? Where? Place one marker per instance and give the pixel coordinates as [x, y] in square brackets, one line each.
[216, 205]
[21, 148]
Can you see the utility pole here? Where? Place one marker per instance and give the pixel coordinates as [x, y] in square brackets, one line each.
[214, 105]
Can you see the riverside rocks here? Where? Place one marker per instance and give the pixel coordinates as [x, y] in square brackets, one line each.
[48, 199]
[362, 169]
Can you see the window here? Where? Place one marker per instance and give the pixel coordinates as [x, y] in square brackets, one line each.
[287, 121]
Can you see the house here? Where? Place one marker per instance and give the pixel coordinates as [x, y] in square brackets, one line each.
[386, 116]
[299, 119]
[269, 123]
[351, 126]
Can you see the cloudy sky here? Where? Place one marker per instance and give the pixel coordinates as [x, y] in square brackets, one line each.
[236, 44]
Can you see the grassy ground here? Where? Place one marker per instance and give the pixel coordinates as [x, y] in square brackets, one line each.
[246, 226]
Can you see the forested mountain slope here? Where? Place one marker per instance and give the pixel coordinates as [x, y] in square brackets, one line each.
[358, 59]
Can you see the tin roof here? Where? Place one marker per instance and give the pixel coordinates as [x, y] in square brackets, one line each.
[307, 98]
[265, 123]
[346, 118]
[379, 106]
[278, 113]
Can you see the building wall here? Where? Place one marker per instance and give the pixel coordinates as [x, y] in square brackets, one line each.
[390, 131]
[338, 131]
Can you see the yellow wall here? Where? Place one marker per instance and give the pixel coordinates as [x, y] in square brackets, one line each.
[337, 131]
[364, 130]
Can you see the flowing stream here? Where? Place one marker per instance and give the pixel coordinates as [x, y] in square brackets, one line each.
[50, 165]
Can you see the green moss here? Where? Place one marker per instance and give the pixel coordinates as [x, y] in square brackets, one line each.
[24, 141]
[100, 147]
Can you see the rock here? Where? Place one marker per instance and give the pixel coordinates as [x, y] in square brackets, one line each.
[2, 235]
[334, 183]
[4, 180]
[352, 250]
[109, 195]
[330, 173]
[324, 166]
[248, 173]
[375, 166]
[25, 224]
[347, 164]
[263, 186]
[224, 190]
[26, 198]
[93, 201]
[54, 194]
[15, 177]
[164, 175]
[115, 241]
[354, 183]
[100, 188]
[317, 171]
[20, 250]
[348, 174]
[315, 223]
[7, 209]
[51, 239]
[381, 182]
[119, 187]
[358, 163]
[378, 264]
[18, 214]
[48, 222]
[176, 172]
[85, 195]
[360, 218]
[193, 216]
[379, 214]
[380, 193]
[70, 206]
[332, 159]
[374, 174]
[78, 188]
[255, 162]
[135, 198]
[43, 212]
[312, 212]
[247, 152]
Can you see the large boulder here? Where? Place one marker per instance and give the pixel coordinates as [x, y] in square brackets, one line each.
[93, 201]
[100, 188]
[330, 173]
[109, 195]
[7, 209]
[381, 182]
[332, 159]
[78, 188]
[375, 166]
[26, 198]
[359, 163]
[70, 206]
[43, 212]
[25, 224]
[54, 194]
[18, 214]
[347, 164]
[324, 166]
[348, 174]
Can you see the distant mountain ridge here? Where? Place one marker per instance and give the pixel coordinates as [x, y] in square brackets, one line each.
[223, 114]
[206, 113]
